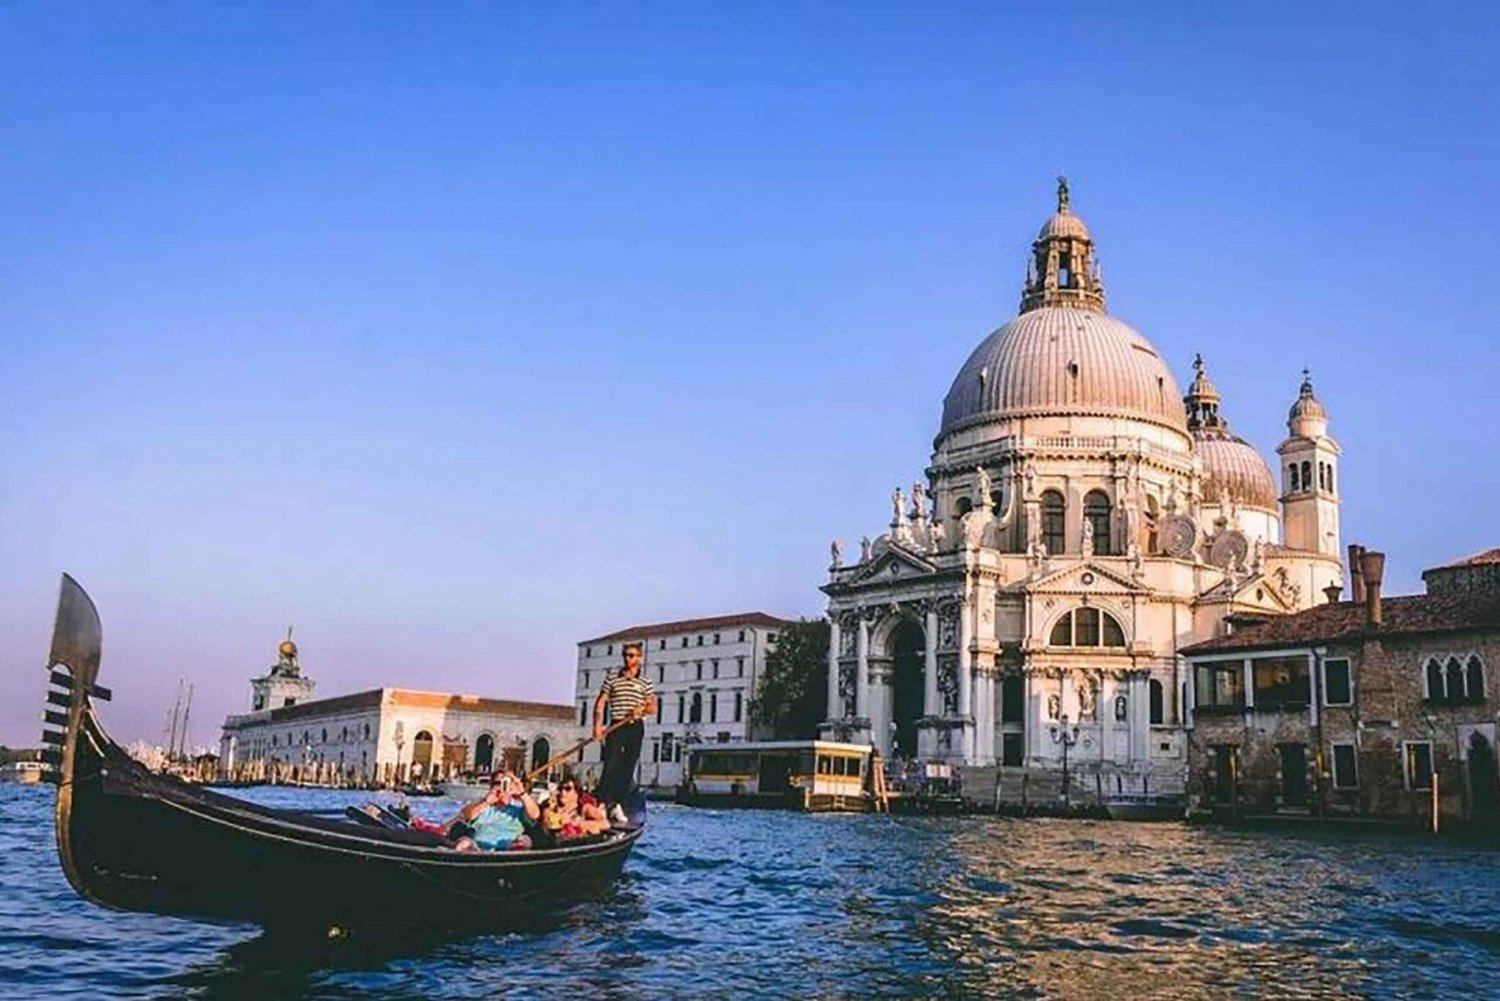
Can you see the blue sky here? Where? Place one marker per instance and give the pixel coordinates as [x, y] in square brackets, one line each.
[455, 334]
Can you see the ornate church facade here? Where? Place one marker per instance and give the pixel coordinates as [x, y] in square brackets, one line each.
[1080, 521]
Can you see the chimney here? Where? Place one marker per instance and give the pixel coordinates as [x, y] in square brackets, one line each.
[1372, 570]
[1356, 576]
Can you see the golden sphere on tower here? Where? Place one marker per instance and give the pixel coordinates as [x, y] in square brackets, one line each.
[287, 648]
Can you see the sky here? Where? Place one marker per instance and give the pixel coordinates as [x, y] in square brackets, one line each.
[455, 334]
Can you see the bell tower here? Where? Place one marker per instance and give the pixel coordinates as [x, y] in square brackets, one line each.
[284, 684]
[1063, 270]
[1309, 476]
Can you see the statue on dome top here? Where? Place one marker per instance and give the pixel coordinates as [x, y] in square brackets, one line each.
[1063, 198]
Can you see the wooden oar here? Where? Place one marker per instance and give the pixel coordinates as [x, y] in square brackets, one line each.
[564, 756]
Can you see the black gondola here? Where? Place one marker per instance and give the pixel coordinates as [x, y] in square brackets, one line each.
[133, 839]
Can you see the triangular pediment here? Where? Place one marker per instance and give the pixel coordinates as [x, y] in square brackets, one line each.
[1257, 593]
[894, 562]
[1085, 578]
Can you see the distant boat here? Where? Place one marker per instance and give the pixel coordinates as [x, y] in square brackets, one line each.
[1145, 806]
[25, 773]
[133, 839]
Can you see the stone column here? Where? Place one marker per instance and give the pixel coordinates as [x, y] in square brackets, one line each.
[1249, 685]
[930, 706]
[965, 676]
[862, 669]
[835, 706]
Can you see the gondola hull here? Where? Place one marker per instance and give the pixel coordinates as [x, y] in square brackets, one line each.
[132, 839]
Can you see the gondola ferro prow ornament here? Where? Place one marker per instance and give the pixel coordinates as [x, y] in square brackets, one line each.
[77, 639]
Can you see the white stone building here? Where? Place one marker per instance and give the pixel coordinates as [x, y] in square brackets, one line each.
[704, 672]
[1079, 521]
[385, 734]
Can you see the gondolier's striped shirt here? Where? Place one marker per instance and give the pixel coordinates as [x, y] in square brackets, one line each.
[625, 696]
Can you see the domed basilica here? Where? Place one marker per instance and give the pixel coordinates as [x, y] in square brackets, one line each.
[1080, 521]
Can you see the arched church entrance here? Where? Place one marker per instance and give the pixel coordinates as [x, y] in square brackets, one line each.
[908, 643]
[421, 753]
[484, 752]
[1483, 777]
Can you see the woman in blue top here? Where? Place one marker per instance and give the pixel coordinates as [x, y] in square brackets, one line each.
[499, 820]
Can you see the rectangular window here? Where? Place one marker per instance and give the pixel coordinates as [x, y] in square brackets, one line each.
[1345, 767]
[585, 681]
[663, 644]
[658, 710]
[1280, 682]
[661, 673]
[716, 639]
[740, 665]
[609, 651]
[742, 635]
[723, 736]
[681, 708]
[684, 641]
[583, 714]
[655, 751]
[1337, 690]
[700, 639]
[770, 637]
[699, 667]
[1221, 688]
[1419, 765]
[713, 707]
[739, 706]
[716, 669]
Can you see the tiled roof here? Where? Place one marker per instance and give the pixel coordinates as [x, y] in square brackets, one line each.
[1479, 559]
[475, 704]
[1345, 620]
[692, 625]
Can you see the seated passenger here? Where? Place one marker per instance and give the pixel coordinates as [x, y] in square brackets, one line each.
[573, 813]
[498, 822]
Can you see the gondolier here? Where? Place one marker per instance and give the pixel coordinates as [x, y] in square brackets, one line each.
[625, 695]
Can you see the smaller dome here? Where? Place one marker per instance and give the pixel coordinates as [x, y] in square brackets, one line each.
[1234, 468]
[1307, 405]
[1064, 225]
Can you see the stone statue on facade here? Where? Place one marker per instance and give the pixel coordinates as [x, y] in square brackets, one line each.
[986, 486]
[1088, 538]
[835, 554]
[1088, 696]
[898, 508]
[864, 549]
[1054, 707]
[1122, 708]
[919, 501]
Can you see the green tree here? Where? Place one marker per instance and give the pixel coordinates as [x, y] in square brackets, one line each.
[792, 697]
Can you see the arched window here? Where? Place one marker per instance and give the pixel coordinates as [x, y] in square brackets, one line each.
[1096, 513]
[1330, 477]
[1153, 518]
[963, 506]
[997, 498]
[484, 753]
[421, 749]
[1455, 679]
[1434, 679]
[695, 714]
[1087, 627]
[541, 750]
[1158, 707]
[1307, 476]
[1476, 679]
[1054, 517]
[1292, 477]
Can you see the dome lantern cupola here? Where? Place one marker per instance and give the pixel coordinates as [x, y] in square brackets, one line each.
[1308, 418]
[1063, 270]
[1202, 401]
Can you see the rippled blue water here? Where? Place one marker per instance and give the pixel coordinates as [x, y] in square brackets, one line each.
[777, 904]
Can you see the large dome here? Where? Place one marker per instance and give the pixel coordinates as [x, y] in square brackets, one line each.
[1232, 466]
[1063, 360]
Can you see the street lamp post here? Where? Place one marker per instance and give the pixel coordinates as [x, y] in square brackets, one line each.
[1066, 736]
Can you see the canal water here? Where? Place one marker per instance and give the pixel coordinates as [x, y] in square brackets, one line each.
[785, 905]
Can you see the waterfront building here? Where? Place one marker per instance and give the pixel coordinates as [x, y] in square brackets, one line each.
[384, 734]
[1080, 520]
[1359, 706]
[704, 671]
